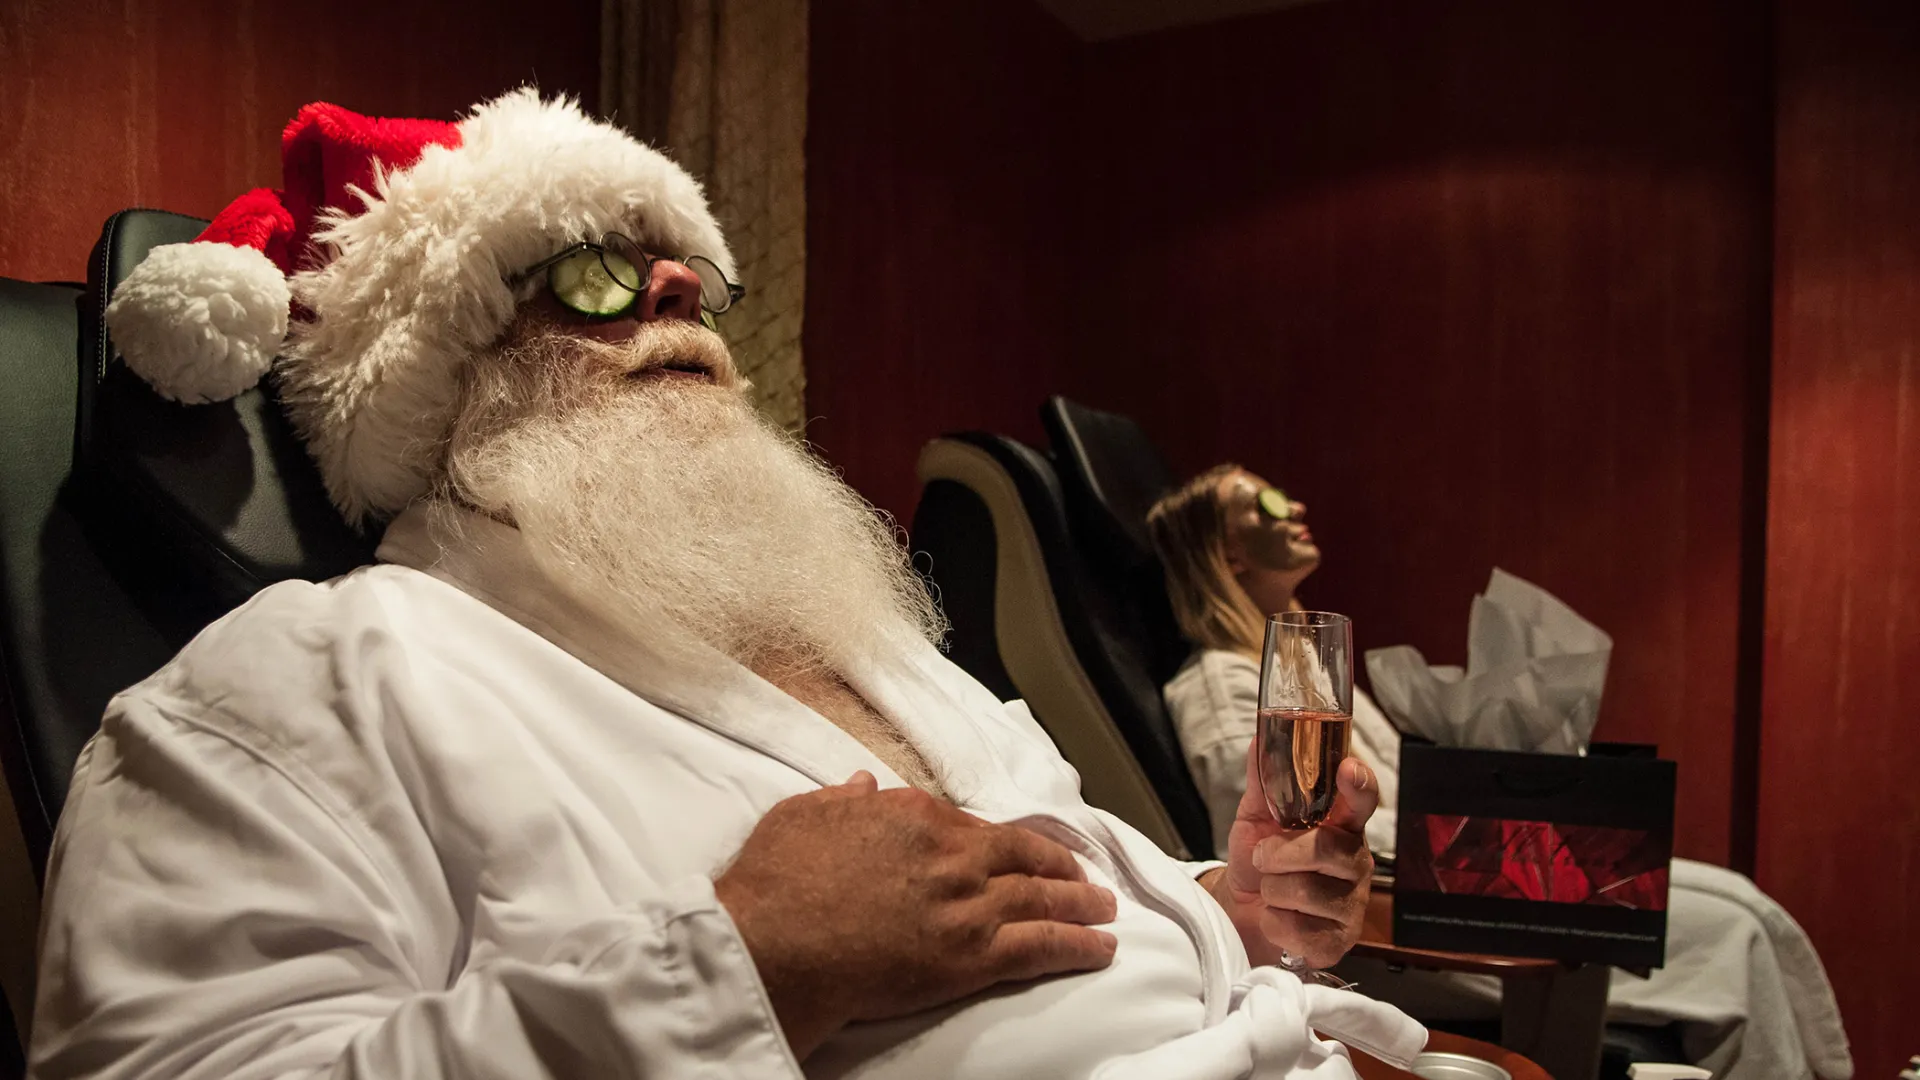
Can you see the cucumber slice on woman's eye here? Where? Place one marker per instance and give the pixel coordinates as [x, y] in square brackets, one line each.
[1273, 503]
[583, 284]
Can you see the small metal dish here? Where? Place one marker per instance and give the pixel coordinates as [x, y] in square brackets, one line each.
[1437, 1066]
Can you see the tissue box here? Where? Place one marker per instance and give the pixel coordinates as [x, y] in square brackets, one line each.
[1527, 854]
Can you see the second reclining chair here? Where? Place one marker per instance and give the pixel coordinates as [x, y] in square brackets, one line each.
[1045, 573]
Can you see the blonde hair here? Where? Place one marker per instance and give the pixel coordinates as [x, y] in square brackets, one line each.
[1188, 527]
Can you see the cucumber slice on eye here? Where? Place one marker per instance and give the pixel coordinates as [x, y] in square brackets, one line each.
[582, 283]
[1273, 503]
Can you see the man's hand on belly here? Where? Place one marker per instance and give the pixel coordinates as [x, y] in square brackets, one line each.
[860, 904]
[1303, 891]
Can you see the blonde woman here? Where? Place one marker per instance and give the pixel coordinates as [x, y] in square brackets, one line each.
[1741, 978]
[1236, 549]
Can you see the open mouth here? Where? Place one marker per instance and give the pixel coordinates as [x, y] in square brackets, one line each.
[673, 369]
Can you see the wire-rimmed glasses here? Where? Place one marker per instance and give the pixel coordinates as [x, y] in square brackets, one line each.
[605, 279]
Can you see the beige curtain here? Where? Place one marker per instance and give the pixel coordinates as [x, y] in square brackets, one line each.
[722, 86]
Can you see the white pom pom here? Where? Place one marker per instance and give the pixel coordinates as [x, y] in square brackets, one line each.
[202, 321]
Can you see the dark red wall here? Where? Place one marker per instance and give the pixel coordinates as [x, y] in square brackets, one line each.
[939, 147]
[1839, 822]
[178, 104]
[1483, 283]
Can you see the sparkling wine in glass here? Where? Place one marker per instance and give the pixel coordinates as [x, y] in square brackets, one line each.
[1301, 751]
[1306, 711]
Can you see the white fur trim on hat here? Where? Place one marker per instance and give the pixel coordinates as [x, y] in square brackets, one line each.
[417, 281]
[200, 322]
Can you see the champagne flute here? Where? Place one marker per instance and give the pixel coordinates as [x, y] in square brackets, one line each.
[1306, 711]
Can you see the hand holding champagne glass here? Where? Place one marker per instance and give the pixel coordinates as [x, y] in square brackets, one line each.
[1306, 711]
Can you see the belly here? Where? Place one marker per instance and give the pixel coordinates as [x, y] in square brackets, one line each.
[1061, 1027]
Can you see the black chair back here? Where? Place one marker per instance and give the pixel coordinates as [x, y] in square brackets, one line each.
[1112, 474]
[70, 636]
[200, 505]
[127, 522]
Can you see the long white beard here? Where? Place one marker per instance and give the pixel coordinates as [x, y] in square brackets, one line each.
[671, 498]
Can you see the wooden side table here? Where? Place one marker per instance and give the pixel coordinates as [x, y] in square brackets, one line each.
[1551, 1012]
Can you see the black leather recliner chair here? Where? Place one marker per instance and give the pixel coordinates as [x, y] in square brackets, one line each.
[1056, 598]
[127, 523]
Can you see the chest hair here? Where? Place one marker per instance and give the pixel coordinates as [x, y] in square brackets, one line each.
[831, 697]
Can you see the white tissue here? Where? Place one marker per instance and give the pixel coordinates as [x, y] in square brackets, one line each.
[1535, 672]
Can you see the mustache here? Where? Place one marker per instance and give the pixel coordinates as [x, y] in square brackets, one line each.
[553, 361]
[544, 369]
[665, 343]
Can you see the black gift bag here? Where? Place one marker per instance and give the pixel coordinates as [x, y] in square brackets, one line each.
[1524, 854]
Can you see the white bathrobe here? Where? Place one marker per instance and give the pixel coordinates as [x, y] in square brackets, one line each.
[431, 820]
[1741, 976]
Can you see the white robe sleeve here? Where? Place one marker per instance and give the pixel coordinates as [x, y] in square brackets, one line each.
[213, 911]
[1214, 703]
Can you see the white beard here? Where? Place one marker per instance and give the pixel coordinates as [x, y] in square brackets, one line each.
[666, 498]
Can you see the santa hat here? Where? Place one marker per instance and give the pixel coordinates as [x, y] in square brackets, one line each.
[391, 244]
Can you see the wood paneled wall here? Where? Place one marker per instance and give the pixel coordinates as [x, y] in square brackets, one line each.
[1483, 283]
[178, 104]
[939, 147]
[1839, 813]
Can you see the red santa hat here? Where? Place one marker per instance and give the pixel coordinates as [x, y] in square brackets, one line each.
[391, 243]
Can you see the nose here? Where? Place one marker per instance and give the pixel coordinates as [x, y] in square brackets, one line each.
[673, 292]
[1299, 511]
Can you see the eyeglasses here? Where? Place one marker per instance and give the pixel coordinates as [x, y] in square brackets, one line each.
[605, 280]
[1274, 503]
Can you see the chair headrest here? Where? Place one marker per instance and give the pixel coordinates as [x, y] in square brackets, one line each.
[1111, 475]
[223, 496]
